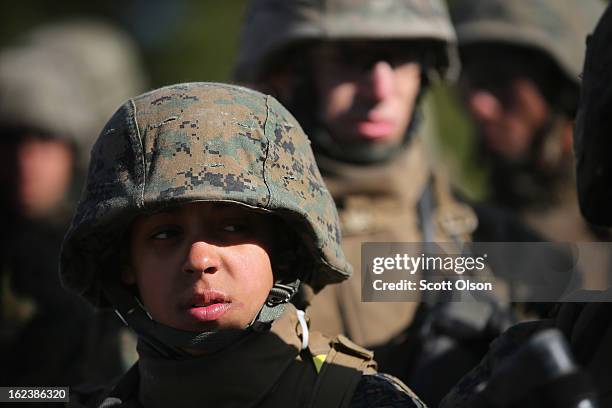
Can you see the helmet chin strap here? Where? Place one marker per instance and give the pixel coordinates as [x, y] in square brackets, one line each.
[172, 343]
[273, 307]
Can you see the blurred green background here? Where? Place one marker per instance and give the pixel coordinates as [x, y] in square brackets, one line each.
[181, 40]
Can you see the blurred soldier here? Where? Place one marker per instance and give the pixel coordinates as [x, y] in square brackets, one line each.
[40, 132]
[521, 63]
[355, 74]
[106, 65]
[51, 104]
[587, 326]
[41, 118]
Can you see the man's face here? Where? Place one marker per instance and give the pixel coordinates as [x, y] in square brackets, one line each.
[508, 110]
[202, 266]
[366, 90]
[40, 171]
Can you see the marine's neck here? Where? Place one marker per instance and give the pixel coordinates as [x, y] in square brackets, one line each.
[403, 177]
[209, 379]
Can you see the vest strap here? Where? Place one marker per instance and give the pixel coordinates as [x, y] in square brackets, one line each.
[340, 373]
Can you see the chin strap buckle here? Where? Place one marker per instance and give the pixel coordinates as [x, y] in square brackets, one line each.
[281, 293]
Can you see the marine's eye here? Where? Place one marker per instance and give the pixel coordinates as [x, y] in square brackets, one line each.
[235, 227]
[165, 233]
[162, 235]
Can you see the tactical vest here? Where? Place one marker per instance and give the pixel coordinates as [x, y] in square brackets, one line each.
[406, 200]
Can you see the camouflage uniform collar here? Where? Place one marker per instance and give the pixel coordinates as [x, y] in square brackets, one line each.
[195, 381]
[402, 178]
[369, 198]
[171, 342]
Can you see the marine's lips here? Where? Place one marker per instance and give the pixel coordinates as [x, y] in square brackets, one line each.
[374, 125]
[375, 129]
[208, 305]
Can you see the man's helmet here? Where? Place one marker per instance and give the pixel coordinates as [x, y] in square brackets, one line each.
[273, 27]
[277, 32]
[105, 61]
[64, 80]
[556, 28]
[37, 93]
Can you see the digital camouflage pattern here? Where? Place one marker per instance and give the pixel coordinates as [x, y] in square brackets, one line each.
[557, 28]
[199, 142]
[273, 26]
[593, 122]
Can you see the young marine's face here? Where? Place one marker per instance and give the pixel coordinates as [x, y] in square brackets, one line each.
[367, 91]
[202, 266]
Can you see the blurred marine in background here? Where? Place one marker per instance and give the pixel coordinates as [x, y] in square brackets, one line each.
[521, 63]
[588, 326]
[57, 86]
[518, 371]
[355, 74]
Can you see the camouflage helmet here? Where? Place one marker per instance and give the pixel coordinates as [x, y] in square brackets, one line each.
[105, 61]
[593, 121]
[557, 28]
[37, 92]
[274, 26]
[199, 142]
[65, 80]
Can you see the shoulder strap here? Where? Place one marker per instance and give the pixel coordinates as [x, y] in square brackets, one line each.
[341, 372]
